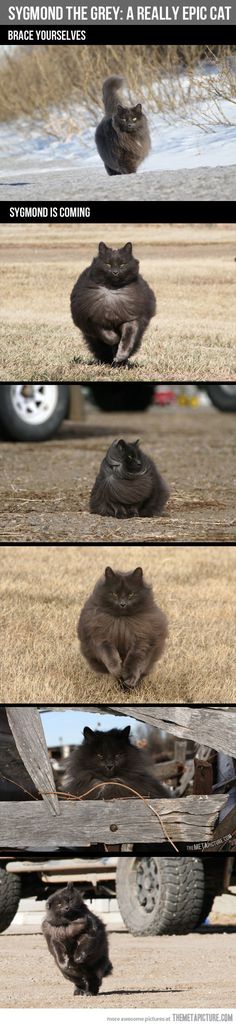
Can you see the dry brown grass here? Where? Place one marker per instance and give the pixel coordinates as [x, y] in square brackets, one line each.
[190, 267]
[70, 78]
[43, 590]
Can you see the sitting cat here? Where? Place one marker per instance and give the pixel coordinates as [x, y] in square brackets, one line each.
[77, 940]
[106, 756]
[112, 304]
[121, 629]
[122, 137]
[128, 484]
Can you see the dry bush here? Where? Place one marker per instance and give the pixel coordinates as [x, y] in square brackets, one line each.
[34, 83]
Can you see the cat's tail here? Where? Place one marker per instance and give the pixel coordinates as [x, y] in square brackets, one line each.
[109, 92]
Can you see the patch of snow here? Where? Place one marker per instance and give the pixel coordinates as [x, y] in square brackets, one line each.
[188, 139]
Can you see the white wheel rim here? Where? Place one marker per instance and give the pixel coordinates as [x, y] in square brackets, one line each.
[34, 404]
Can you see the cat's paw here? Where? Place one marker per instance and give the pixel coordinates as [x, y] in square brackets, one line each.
[119, 362]
[129, 682]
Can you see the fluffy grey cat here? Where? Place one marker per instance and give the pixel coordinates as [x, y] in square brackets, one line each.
[77, 940]
[112, 304]
[122, 137]
[121, 629]
[110, 755]
[128, 484]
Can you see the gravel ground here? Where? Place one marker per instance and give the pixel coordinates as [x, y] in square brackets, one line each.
[86, 184]
[193, 971]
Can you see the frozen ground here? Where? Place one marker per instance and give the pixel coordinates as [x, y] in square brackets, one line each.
[192, 156]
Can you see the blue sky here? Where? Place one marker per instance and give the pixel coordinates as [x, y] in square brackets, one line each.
[66, 726]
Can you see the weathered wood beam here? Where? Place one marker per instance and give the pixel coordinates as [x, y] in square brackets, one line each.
[213, 726]
[30, 825]
[27, 730]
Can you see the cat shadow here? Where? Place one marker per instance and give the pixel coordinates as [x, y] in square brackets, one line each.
[145, 990]
[93, 430]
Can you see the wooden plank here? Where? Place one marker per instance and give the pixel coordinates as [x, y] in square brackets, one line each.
[30, 825]
[27, 730]
[166, 770]
[213, 726]
[180, 750]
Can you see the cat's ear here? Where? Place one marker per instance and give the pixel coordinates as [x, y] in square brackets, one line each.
[138, 109]
[138, 574]
[137, 441]
[88, 734]
[119, 109]
[121, 443]
[109, 573]
[126, 732]
[102, 249]
[128, 248]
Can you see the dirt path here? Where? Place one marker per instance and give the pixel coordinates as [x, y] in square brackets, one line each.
[191, 268]
[196, 971]
[25, 182]
[45, 488]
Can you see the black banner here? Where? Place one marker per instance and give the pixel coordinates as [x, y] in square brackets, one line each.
[114, 213]
[94, 35]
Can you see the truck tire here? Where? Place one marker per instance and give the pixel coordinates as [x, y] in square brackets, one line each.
[160, 895]
[10, 892]
[33, 416]
[223, 396]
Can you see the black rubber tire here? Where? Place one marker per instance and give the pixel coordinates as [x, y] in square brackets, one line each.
[10, 892]
[224, 401]
[179, 895]
[126, 396]
[18, 430]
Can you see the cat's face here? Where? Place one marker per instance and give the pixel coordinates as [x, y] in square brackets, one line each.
[106, 751]
[65, 902]
[127, 119]
[127, 456]
[122, 592]
[117, 266]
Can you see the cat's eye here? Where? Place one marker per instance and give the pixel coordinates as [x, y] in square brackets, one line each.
[114, 594]
[99, 755]
[134, 119]
[129, 456]
[131, 594]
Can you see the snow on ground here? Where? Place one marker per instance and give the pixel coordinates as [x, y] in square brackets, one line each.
[192, 140]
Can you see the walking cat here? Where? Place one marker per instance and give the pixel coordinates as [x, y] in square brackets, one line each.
[112, 304]
[122, 137]
[77, 940]
[121, 629]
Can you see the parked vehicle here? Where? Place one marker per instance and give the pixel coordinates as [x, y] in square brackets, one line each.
[34, 412]
[154, 895]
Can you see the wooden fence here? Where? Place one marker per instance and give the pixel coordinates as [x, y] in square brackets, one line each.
[50, 823]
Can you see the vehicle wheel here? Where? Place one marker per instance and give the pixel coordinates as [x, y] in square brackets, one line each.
[127, 396]
[10, 892]
[223, 396]
[160, 895]
[32, 413]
